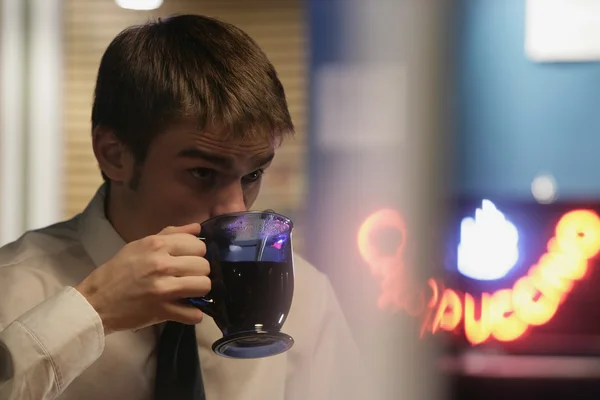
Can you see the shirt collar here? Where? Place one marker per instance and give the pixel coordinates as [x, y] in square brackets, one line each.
[98, 237]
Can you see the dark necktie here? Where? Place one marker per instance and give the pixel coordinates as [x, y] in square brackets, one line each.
[178, 374]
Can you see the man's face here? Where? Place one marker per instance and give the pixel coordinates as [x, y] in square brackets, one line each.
[189, 176]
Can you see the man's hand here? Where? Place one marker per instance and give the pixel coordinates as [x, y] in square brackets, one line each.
[144, 283]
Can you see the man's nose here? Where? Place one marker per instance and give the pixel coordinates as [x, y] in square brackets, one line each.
[230, 199]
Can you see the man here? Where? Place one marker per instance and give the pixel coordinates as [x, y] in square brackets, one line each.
[187, 115]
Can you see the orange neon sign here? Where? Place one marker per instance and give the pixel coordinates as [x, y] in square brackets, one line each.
[505, 314]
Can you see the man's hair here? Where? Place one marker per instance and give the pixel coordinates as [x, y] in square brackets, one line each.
[187, 68]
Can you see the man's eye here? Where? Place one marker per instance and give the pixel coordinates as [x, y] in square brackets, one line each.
[253, 176]
[203, 173]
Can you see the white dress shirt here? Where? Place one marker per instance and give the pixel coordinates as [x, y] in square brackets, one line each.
[52, 343]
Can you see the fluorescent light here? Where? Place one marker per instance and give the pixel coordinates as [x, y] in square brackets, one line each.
[139, 4]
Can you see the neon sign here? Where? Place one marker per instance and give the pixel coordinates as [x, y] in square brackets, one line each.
[488, 246]
[505, 314]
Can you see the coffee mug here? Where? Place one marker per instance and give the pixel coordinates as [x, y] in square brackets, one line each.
[252, 275]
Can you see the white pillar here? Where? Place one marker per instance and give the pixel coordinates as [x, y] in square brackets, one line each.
[44, 136]
[12, 42]
[31, 143]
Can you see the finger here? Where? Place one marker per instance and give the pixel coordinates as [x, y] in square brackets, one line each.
[183, 244]
[185, 266]
[181, 312]
[177, 288]
[192, 229]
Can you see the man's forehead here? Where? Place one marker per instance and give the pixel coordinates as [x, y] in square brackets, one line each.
[246, 148]
[189, 144]
[184, 135]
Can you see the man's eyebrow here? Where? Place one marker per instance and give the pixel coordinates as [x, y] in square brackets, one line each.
[260, 161]
[224, 161]
[195, 153]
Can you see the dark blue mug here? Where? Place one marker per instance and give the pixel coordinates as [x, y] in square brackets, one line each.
[252, 275]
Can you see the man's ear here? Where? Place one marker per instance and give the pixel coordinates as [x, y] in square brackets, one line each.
[114, 159]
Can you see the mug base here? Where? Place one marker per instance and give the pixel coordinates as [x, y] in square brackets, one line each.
[253, 344]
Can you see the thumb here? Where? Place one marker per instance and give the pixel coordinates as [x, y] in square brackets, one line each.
[192, 229]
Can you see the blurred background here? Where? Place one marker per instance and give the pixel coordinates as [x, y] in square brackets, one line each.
[439, 146]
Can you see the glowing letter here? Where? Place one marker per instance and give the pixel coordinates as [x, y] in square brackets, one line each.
[579, 231]
[569, 265]
[382, 219]
[477, 331]
[505, 324]
[544, 275]
[530, 305]
[449, 312]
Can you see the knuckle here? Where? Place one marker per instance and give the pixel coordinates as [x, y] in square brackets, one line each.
[154, 262]
[168, 229]
[163, 268]
[159, 289]
[196, 246]
[154, 243]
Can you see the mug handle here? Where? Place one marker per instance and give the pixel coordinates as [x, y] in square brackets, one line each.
[205, 304]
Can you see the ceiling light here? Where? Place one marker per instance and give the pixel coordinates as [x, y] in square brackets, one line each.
[139, 4]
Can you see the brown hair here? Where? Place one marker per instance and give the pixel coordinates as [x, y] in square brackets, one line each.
[187, 67]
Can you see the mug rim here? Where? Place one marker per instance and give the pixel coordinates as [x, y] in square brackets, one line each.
[240, 213]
